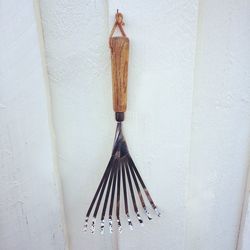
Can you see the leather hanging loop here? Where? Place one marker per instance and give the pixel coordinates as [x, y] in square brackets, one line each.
[118, 23]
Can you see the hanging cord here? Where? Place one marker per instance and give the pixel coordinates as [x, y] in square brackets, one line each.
[118, 23]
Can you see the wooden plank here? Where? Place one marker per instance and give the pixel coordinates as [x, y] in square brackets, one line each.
[243, 241]
[159, 115]
[31, 215]
[158, 119]
[77, 53]
[221, 125]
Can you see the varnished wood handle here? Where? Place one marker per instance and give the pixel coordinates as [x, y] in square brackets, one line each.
[119, 61]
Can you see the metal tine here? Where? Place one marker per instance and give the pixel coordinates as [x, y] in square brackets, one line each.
[144, 187]
[125, 196]
[103, 180]
[118, 134]
[118, 198]
[116, 164]
[139, 192]
[132, 194]
[107, 196]
[100, 197]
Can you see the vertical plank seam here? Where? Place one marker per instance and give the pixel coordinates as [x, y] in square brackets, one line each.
[40, 33]
[191, 118]
[244, 208]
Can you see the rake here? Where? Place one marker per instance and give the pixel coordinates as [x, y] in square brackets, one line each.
[121, 176]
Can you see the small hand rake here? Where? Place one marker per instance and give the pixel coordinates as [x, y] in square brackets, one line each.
[121, 173]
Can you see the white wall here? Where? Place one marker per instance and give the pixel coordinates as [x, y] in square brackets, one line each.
[158, 118]
[160, 99]
[187, 123]
[245, 241]
[219, 155]
[186, 101]
[31, 215]
[81, 99]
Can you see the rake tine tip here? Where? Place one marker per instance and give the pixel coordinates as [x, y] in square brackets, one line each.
[102, 227]
[157, 212]
[110, 226]
[92, 229]
[119, 226]
[139, 219]
[130, 223]
[147, 213]
[85, 226]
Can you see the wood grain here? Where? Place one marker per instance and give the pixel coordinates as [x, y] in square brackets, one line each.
[119, 60]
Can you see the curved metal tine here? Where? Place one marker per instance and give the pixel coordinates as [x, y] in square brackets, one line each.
[117, 132]
[133, 195]
[100, 197]
[144, 187]
[104, 179]
[107, 194]
[125, 196]
[116, 164]
[139, 192]
[117, 141]
[118, 198]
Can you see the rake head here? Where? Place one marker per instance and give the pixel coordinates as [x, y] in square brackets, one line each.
[120, 178]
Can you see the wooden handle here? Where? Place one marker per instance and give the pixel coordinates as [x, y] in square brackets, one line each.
[119, 60]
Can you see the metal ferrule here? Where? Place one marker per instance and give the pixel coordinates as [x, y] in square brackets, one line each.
[119, 116]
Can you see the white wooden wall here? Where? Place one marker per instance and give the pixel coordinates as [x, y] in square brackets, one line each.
[187, 123]
[219, 155]
[31, 214]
